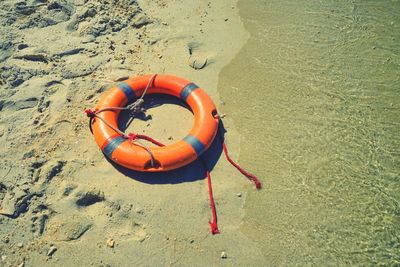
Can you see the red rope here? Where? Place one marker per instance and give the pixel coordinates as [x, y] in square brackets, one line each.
[90, 113]
[213, 224]
[148, 138]
[250, 176]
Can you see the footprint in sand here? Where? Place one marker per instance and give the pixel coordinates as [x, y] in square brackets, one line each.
[89, 198]
[73, 227]
[139, 232]
[197, 60]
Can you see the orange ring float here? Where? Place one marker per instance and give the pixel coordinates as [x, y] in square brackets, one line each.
[133, 156]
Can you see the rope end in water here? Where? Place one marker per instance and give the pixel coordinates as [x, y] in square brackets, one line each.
[250, 176]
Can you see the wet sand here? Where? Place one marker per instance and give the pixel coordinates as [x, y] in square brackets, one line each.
[62, 203]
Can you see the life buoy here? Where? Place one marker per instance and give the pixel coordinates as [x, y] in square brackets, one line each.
[136, 157]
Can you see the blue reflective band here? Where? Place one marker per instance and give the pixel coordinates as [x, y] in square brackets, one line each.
[130, 94]
[195, 143]
[187, 90]
[112, 145]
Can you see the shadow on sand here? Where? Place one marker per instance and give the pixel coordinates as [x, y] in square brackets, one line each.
[192, 172]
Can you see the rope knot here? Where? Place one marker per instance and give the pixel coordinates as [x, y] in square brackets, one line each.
[131, 136]
[136, 107]
[90, 113]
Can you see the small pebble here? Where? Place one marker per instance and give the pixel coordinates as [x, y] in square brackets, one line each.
[139, 211]
[51, 250]
[239, 194]
[223, 255]
[110, 242]
[3, 257]
[20, 245]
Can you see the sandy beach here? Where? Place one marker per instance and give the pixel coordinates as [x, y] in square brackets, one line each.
[308, 92]
[62, 202]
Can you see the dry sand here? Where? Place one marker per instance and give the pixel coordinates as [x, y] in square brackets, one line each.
[62, 202]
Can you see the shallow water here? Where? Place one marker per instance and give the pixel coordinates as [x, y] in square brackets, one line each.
[317, 102]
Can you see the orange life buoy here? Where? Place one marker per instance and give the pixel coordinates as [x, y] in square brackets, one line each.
[136, 157]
